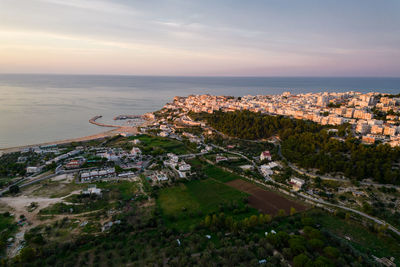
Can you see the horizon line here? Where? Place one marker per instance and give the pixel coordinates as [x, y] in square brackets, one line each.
[195, 76]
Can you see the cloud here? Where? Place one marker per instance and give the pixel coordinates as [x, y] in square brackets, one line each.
[94, 5]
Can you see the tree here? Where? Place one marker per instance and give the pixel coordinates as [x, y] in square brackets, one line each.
[300, 260]
[253, 221]
[318, 181]
[331, 252]
[27, 254]
[297, 244]
[207, 221]
[315, 243]
[14, 189]
[292, 211]
[322, 261]
[281, 213]
[267, 218]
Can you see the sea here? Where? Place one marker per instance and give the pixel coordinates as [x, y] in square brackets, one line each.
[44, 108]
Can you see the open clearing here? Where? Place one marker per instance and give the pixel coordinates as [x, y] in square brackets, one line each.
[266, 201]
[166, 144]
[219, 174]
[183, 206]
[198, 196]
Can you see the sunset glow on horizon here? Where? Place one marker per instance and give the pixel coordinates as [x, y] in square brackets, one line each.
[201, 38]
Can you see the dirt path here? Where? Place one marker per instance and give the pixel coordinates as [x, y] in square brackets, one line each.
[19, 207]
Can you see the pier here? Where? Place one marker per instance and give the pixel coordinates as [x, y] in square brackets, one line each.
[93, 121]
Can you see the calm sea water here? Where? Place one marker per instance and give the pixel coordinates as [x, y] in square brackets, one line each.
[42, 108]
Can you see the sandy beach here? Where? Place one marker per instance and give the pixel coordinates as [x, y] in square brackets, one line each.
[117, 130]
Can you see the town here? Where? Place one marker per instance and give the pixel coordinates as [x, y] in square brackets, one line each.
[373, 116]
[182, 173]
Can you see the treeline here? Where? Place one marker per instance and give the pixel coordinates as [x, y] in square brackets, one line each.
[251, 125]
[309, 145]
[9, 166]
[350, 158]
[295, 239]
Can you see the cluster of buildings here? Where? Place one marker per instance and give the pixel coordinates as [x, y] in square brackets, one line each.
[325, 108]
[159, 176]
[96, 174]
[179, 166]
[58, 159]
[106, 173]
[92, 190]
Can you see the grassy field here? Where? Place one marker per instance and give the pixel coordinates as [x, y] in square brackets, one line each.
[219, 174]
[121, 190]
[55, 189]
[169, 145]
[112, 192]
[186, 204]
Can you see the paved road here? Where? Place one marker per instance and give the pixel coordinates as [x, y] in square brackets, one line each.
[322, 202]
[378, 221]
[192, 155]
[16, 183]
[32, 181]
[235, 153]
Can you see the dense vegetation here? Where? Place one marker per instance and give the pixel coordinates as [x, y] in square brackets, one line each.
[250, 125]
[310, 146]
[201, 222]
[7, 228]
[355, 160]
[9, 167]
[299, 240]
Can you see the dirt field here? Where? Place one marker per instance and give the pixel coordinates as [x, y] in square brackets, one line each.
[266, 201]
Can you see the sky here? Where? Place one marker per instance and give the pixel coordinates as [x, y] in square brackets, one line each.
[201, 37]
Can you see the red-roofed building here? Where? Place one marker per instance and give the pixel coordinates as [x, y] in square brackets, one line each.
[265, 155]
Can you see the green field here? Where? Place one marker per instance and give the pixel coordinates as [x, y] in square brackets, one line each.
[121, 190]
[219, 174]
[55, 189]
[186, 204]
[166, 144]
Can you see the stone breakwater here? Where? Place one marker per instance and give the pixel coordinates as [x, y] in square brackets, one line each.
[95, 122]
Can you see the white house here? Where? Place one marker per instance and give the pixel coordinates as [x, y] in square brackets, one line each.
[297, 183]
[136, 151]
[265, 155]
[220, 158]
[33, 169]
[173, 157]
[163, 134]
[266, 170]
[184, 167]
[247, 167]
[161, 177]
[273, 164]
[92, 191]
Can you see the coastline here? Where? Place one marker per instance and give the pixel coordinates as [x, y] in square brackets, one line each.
[118, 130]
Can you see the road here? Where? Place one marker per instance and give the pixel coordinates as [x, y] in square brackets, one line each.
[235, 153]
[192, 155]
[319, 201]
[376, 220]
[37, 180]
